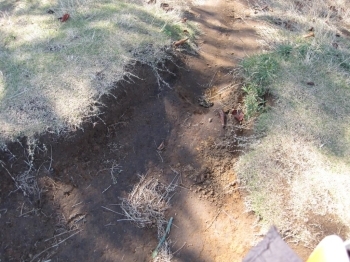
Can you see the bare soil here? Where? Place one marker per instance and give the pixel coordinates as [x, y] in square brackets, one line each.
[210, 222]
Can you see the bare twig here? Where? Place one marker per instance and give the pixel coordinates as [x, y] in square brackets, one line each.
[50, 160]
[77, 204]
[211, 81]
[106, 189]
[59, 235]
[212, 222]
[160, 156]
[179, 248]
[112, 210]
[55, 245]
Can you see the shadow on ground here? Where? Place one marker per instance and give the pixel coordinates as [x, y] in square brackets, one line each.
[74, 171]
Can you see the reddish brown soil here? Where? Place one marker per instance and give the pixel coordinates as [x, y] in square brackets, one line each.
[210, 222]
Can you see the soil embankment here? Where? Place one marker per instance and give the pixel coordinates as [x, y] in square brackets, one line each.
[75, 172]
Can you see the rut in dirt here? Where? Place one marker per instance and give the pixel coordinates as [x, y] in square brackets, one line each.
[96, 166]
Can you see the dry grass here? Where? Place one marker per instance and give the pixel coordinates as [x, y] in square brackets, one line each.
[147, 202]
[52, 74]
[146, 206]
[26, 180]
[300, 169]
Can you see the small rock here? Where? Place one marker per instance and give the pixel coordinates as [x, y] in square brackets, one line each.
[210, 120]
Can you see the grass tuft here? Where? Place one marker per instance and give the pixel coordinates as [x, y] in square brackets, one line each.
[52, 74]
[297, 176]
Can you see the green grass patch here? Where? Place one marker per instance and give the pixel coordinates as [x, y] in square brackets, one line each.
[259, 71]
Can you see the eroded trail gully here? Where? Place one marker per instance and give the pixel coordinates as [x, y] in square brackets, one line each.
[209, 219]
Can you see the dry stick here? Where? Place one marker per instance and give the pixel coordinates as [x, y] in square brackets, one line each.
[177, 173]
[230, 217]
[106, 189]
[212, 222]
[77, 204]
[179, 248]
[8, 172]
[21, 209]
[27, 212]
[222, 89]
[109, 224]
[112, 210]
[55, 245]
[16, 95]
[50, 160]
[60, 234]
[212, 78]
[160, 156]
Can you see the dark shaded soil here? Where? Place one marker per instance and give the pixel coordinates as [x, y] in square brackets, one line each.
[74, 170]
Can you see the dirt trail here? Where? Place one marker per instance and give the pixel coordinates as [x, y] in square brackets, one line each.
[209, 219]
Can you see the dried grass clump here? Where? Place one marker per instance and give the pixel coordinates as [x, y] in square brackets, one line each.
[146, 206]
[26, 180]
[147, 203]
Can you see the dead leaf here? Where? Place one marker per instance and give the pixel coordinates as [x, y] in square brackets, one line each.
[335, 45]
[64, 18]
[186, 32]
[184, 20]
